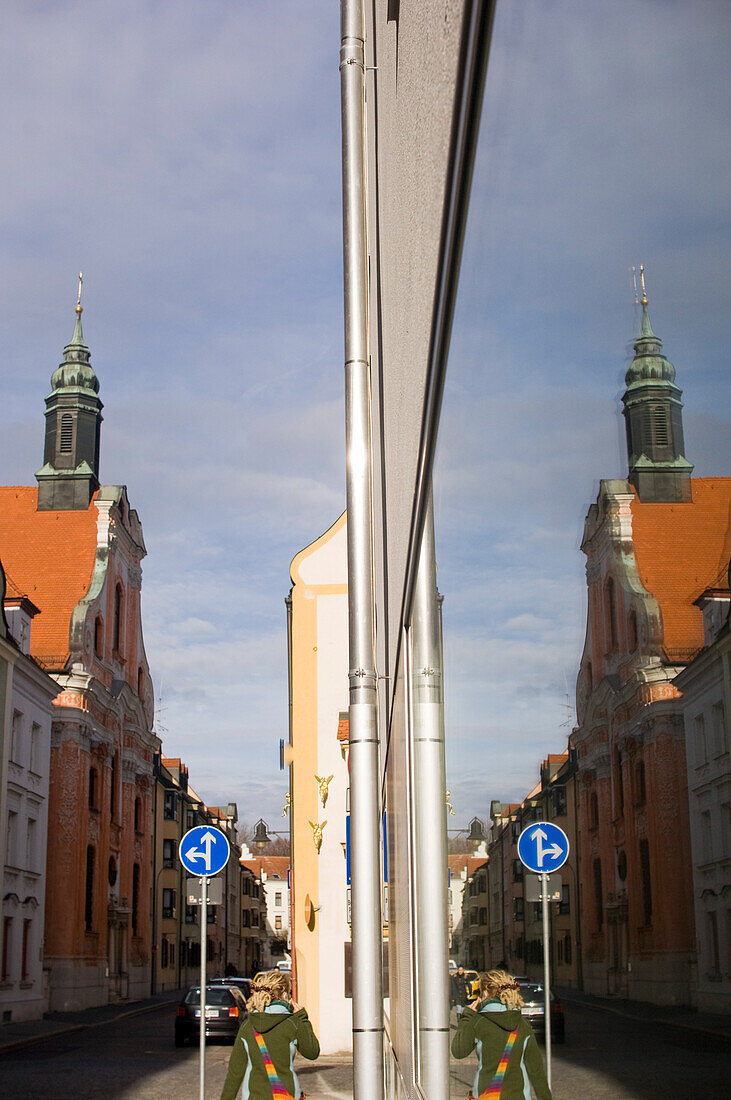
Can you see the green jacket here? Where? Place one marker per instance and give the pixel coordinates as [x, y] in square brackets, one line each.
[284, 1032]
[485, 1030]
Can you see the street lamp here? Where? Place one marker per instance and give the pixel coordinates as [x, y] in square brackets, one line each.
[261, 836]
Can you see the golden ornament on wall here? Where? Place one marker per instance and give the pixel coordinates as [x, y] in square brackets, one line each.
[317, 827]
[322, 786]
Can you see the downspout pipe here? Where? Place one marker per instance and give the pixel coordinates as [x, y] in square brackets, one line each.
[368, 1080]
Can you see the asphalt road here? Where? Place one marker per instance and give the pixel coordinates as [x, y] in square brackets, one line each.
[605, 1056]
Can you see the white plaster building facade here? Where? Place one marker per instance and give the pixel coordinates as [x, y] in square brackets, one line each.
[24, 802]
[706, 687]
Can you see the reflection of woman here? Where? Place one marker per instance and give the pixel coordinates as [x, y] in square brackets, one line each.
[261, 1063]
[507, 1051]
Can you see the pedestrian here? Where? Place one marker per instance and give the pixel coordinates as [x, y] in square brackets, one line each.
[507, 1052]
[459, 990]
[262, 1060]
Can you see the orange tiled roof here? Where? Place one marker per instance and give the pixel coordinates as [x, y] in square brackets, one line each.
[271, 865]
[343, 726]
[51, 556]
[680, 550]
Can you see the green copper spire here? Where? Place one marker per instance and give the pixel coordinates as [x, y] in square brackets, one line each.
[658, 468]
[70, 472]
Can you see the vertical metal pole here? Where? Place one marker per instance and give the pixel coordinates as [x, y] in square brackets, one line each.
[546, 974]
[204, 961]
[430, 824]
[365, 817]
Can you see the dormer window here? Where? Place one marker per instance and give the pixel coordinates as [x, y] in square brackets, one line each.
[99, 637]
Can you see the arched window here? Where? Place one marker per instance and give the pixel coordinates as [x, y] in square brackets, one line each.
[112, 871]
[66, 436]
[118, 612]
[138, 814]
[632, 630]
[611, 614]
[593, 811]
[99, 636]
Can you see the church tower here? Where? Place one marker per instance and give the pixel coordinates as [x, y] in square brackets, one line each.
[70, 472]
[658, 468]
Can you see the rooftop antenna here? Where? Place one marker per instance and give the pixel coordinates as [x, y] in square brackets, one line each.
[643, 299]
[567, 707]
[634, 284]
[79, 307]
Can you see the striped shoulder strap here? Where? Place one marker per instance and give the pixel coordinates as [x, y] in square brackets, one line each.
[278, 1090]
[496, 1085]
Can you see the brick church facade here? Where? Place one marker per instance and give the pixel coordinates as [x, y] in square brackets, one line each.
[75, 548]
[653, 542]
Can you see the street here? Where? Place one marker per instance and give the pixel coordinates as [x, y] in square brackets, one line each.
[605, 1056]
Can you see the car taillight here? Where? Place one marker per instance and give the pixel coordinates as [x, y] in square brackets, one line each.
[558, 1008]
[181, 1010]
[233, 1011]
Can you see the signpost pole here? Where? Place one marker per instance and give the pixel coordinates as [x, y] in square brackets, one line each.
[204, 931]
[546, 974]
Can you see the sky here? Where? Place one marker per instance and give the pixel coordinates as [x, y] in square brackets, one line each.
[186, 156]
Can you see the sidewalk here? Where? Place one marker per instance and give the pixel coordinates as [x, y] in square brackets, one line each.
[708, 1023]
[13, 1036]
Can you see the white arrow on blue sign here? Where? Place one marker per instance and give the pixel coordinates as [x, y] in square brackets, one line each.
[543, 847]
[204, 850]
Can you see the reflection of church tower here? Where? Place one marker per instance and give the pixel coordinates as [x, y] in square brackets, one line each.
[70, 472]
[658, 469]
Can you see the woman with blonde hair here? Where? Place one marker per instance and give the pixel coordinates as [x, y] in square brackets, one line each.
[262, 1061]
[509, 1060]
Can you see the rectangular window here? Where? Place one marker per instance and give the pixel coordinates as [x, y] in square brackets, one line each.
[89, 891]
[598, 895]
[170, 810]
[135, 898]
[718, 725]
[25, 957]
[168, 852]
[12, 839]
[15, 736]
[519, 908]
[564, 906]
[714, 958]
[164, 953]
[517, 871]
[278, 924]
[706, 836]
[7, 938]
[255, 919]
[559, 801]
[277, 899]
[726, 826]
[247, 886]
[191, 914]
[168, 903]
[30, 845]
[646, 881]
[246, 919]
[35, 748]
[190, 819]
[699, 736]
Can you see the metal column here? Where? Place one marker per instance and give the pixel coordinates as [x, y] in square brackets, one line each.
[430, 824]
[546, 973]
[202, 999]
[368, 1081]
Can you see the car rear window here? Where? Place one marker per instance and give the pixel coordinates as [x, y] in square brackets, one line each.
[533, 993]
[214, 996]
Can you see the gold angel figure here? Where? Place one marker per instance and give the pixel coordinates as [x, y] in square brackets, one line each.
[317, 827]
[323, 785]
[287, 803]
[449, 804]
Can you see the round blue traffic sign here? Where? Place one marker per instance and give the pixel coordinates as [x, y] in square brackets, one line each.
[204, 850]
[543, 847]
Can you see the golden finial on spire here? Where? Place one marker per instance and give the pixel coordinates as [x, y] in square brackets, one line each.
[643, 299]
[79, 307]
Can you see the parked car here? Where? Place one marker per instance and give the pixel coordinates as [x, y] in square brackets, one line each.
[473, 984]
[225, 1008]
[534, 1011]
[244, 984]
